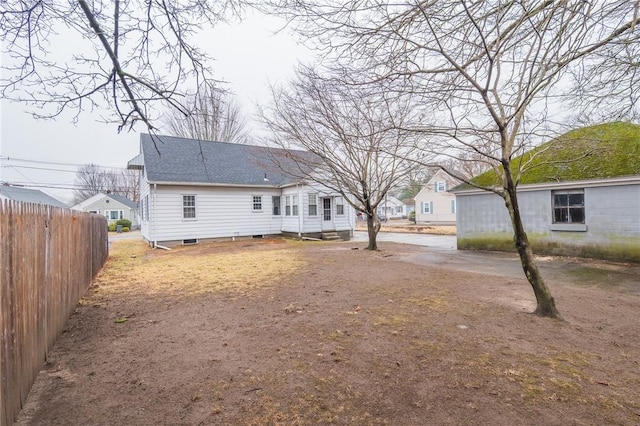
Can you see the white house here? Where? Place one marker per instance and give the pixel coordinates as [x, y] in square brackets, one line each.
[409, 205]
[434, 203]
[193, 191]
[111, 206]
[571, 204]
[392, 208]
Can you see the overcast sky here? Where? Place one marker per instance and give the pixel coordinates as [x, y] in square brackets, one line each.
[247, 55]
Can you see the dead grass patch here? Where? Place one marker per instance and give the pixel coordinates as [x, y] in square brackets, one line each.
[437, 303]
[135, 268]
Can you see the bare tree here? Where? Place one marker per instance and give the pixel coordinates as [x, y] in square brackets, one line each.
[488, 76]
[126, 184]
[215, 116]
[127, 56]
[354, 136]
[92, 179]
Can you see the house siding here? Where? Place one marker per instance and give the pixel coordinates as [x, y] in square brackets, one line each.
[392, 208]
[101, 202]
[306, 224]
[441, 201]
[220, 213]
[145, 225]
[612, 221]
[101, 206]
[292, 224]
[223, 212]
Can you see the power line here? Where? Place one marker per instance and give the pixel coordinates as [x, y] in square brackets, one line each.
[64, 186]
[54, 163]
[111, 173]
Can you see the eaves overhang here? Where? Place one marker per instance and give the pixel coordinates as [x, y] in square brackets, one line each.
[217, 185]
[576, 184]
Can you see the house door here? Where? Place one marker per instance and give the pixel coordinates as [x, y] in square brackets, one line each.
[327, 216]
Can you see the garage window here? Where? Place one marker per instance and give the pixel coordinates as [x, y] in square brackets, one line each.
[568, 206]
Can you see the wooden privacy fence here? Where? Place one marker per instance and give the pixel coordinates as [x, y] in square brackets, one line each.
[49, 256]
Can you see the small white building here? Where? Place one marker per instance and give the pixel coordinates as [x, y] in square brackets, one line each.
[111, 206]
[193, 191]
[434, 203]
[392, 208]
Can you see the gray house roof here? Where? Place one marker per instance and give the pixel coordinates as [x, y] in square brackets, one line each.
[169, 159]
[18, 193]
[124, 200]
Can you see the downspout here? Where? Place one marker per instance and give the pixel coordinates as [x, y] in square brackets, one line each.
[155, 215]
[300, 211]
[352, 221]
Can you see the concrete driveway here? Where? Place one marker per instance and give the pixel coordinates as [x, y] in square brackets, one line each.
[439, 242]
[440, 250]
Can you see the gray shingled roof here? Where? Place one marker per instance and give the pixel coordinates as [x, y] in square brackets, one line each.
[18, 193]
[171, 159]
[124, 200]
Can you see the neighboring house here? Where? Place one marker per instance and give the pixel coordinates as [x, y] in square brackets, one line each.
[434, 203]
[409, 205]
[582, 198]
[111, 206]
[193, 191]
[18, 193]
[392, 208]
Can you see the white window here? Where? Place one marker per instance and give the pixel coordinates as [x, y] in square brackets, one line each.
[453, 206]
[114, 214]
[287, 205]
[275, 200]
[440, 186]
[568, 206]
[295, 205]
[427, 207]
[313, 205]
[146, 208]
[339, 206]
[257, 203]
[188, 206]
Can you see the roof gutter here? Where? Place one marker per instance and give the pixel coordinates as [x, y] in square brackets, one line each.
[218, 185]
[592, 183]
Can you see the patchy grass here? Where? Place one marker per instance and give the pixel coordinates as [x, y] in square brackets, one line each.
[135, 268]
[437, 303]
[273, 332]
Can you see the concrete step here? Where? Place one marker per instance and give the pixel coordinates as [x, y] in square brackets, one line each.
[330, 236]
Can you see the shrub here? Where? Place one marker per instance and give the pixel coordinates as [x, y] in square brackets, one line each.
[112, 227]
[126, 223]
[412, 216]
[125, 229]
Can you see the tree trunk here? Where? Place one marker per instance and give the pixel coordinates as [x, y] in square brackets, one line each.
[373, 226]
[545, 304]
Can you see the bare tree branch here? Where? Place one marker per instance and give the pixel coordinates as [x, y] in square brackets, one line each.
[354, 136]
[212, 114]
[124, 56]
[92, 179]
[487, 79]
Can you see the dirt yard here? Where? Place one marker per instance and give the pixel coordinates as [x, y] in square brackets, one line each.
[276, 332]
